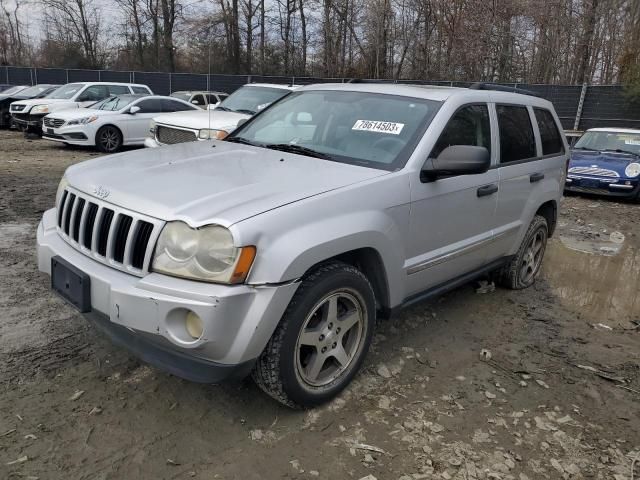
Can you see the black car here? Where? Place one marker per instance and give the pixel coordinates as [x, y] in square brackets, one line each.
[37, 91]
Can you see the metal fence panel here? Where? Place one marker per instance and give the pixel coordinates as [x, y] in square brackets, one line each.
[227, 83]
[188, 81]
[607, 106]
[120, 77]
[19, 76]
[50, 75]
[83, 76]
[159, 83]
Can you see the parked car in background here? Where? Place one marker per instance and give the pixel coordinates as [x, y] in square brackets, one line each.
[37, 91]
[218, 123]
[112, 123]
[274, 252]
[28, 114]
[606, 161]
[12, 90]
[203, 100]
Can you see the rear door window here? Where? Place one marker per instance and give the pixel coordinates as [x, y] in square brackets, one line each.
[173, 106]
[198, 100]
[470, 125]
[118, 89]
[549, 134]
[151, 105]
[517, 141]
[143, 90]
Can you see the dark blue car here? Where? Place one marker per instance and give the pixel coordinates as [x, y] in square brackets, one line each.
[606, 161]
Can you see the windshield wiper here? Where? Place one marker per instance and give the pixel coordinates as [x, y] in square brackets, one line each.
[224, 109]
[241, 140]
[620, 150]
[245, 110]
[293, 148]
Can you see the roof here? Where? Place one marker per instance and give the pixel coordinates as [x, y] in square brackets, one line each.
[110, 83]
[615, 130]
[191, 92]
[272, 85]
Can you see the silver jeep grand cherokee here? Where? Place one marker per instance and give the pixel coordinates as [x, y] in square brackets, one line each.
[273, 252]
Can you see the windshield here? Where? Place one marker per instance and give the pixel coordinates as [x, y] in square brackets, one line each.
[610, 141]
[33, 91]
[66, 92]
[182, 95]
[251, 100]
[12, 90]
[369, 129]
[115, 103]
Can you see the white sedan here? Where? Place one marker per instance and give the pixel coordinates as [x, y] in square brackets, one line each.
[111, 123]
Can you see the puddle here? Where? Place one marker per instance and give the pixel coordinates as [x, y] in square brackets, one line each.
[603, 287]
[12, 234]
[594, 243]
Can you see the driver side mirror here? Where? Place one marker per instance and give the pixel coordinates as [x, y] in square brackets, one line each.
[456, 160]
[133, 110]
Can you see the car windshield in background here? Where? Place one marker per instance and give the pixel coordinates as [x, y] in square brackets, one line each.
[369, 129]
[33, 91]
[182, 95]
[251, 100]
[610, 141]
[116, 103]
[66, 91]
[12, 90]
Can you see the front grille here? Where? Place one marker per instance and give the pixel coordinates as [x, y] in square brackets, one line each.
[17, 108]
[109, 234]
[174, 135]
[595, 171]
[53, 122]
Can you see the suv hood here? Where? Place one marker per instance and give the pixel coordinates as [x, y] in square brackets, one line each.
[198, 119]
[54, 103]
[211, 182]
[72, 114]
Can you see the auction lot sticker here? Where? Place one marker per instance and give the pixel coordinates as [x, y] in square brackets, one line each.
[380, 127]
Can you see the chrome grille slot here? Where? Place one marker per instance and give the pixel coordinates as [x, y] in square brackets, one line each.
[53, 122]
[107, 233]
[599, 172]
[170, 135]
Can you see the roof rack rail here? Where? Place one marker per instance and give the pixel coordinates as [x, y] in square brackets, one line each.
[501, 88]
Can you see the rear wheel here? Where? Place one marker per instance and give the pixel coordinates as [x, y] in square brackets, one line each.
[523, 269]
[322, 339]
[108, 139]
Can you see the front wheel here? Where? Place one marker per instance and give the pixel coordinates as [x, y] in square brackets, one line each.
[108, 139]
[322, 339]
[521, 272]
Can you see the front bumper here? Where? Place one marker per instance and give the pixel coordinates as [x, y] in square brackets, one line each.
[72, 135]
[146, 314]
[150, 142]
[602, 186]
[27, 119]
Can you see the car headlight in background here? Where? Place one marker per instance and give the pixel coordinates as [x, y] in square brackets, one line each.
[632, 170]
[61, 186]
[205, 253]
[210, 134]
[40, 109]
[83, 121]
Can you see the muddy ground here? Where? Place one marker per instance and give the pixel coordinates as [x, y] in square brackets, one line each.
[559, 397]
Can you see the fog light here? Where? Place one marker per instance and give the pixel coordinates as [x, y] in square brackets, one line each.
[193, 324]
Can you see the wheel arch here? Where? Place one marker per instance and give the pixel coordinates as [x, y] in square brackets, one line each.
[549, 210]
[109, 125]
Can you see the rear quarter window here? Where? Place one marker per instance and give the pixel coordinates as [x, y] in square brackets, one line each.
[549, 134]
[143, 90]
[517, 141]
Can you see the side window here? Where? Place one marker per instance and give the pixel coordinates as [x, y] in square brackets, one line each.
[549, 134]
[142, 90]
[198, 100]
[94, 93]
[152, 105]
[212, 98]
[469, 126]
[118, 89]
[173, 106]
[516, 133]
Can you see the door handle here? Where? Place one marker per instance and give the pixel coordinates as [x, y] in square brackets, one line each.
[536, 177]
[487, 190]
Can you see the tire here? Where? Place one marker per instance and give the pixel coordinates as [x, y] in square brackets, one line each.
[108, 139]
[306, 337]
[521, 272]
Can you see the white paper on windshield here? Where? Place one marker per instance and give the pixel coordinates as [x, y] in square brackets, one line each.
[632, 142]
[379, 127]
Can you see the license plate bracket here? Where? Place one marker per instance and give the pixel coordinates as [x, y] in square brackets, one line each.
[71, 284]
[50, 130]
[588, 182]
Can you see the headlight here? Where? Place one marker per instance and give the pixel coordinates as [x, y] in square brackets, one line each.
[210, 134]
[152, 128]
[82, 121]
[61, 186]
[40, 109]
[632, 170]
[206, 253]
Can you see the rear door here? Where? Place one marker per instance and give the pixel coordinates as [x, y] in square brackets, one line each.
[528, 170]
[451, 218]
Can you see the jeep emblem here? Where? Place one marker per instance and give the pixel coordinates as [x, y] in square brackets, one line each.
[101, 192]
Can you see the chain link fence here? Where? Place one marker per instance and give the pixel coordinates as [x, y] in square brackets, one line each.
[579, 107]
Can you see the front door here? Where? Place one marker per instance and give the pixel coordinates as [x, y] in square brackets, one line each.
[452, 218]
[137, 124]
